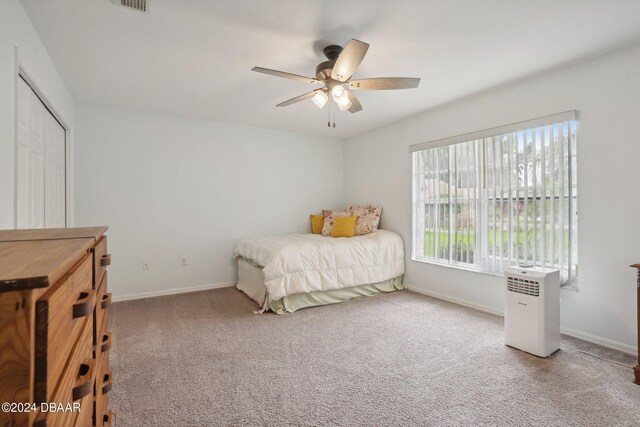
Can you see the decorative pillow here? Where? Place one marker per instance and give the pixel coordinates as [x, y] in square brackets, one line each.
[344, 226]
[356, 208]
[329, 219]
[327, 212]
[368, 218]
[317, 221]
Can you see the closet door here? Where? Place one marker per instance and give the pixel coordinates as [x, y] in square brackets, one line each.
[40, 164]
[54, 173]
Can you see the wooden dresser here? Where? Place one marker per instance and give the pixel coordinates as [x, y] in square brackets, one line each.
[54, 339]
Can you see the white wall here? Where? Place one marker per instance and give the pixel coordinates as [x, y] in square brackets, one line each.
[606, 92]
[170, 187]
[16, 30]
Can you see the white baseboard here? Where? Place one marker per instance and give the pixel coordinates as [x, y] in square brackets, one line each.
[174, 291]
[455, 300]
[605, 342]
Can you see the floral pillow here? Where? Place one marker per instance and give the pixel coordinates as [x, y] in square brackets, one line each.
[329, 220]
[368, 218]
[356, 208]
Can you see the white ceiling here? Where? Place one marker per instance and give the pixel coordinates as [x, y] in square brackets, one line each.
[193, 57]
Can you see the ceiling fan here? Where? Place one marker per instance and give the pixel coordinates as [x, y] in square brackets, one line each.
[335, 77]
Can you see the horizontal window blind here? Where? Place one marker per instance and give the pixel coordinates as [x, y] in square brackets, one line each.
[504, 199]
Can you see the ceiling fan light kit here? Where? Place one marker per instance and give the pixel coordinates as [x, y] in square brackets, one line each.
[335, 73]
[341, 97]
[320, 99]
[342, 106]
[338, 93]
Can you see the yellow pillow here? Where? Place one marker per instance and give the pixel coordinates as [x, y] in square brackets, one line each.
[344, 226]
[317, 221]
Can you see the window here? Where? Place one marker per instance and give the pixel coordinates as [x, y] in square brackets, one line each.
[499, 197]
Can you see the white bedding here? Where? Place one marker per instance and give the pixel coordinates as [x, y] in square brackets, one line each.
[312, 262]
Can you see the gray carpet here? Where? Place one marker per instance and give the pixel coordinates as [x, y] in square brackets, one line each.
[204, 359]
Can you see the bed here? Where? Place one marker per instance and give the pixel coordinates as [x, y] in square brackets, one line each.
[286, 273]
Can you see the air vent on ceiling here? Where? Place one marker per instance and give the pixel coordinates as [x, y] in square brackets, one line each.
[523, 286]
[140, 5]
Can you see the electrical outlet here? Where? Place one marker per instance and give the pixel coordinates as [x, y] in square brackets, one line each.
[183, 261]
[145, 265]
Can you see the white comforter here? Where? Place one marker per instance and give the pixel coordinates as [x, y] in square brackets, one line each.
[311, 262]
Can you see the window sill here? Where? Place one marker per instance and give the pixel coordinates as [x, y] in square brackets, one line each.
[569, 287]
[572, 286]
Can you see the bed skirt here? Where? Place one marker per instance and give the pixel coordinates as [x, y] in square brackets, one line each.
[251, 282]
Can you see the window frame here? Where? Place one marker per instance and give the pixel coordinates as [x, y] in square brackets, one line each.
[483, 199]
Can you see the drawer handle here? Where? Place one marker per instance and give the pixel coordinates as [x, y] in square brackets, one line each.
[84, 383]
[106, 301]
[84, 304]
[106, 342]
[107, 382]
[105, 260]
[106, 419]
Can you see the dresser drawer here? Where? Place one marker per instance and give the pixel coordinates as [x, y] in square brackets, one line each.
[101, 260]
[102, 306]
[104, 382]
[75, 386]
[61, 314]
[103, 347]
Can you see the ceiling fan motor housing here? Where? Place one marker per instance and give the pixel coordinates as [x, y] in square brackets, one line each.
[323, 70]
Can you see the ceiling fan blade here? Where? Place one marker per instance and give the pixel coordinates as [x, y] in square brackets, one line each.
[384, 83]
[349, 59]
[298, 98]
[355, 104]
[287, 75]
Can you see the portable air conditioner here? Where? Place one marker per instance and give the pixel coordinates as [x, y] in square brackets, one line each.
[532, 310]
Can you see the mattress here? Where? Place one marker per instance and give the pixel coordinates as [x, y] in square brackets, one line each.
[304, 263]
[251, 282]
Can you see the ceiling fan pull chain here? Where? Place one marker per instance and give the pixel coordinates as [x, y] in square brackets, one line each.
[334, 117]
